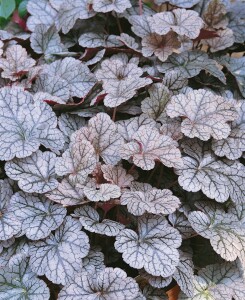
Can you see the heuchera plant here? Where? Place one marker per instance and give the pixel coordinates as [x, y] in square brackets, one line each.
[122, 140]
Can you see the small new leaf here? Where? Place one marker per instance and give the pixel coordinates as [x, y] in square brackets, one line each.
[90, 220]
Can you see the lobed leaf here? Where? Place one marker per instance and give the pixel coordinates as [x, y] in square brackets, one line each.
[58, 256]
[35, 174]
[204, 113]
[217, 179]
[37, 215]
[148, 146]
[182, 21]
[107, 284]
[90, 220]
[153, 249]
[25, 125]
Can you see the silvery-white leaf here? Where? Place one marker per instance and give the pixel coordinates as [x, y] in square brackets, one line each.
[35, 173]
[153, 248]
[94, 40]
[107, 284]
[171, 127]
[58, 257]
[46, 40]
[120, 80]
[20, 247]
[94, 260]
[135, 9]
[117, 175]
[237, 68]
[182, 21]
[215, 15]
[149, 145]
[223, 41]
[218, 281]
[38, 216]
[151, 293]
[226, 235]
[42, 13]
[25, 125]
[1, 46]
[102, 134]
[204, 113]
[90, 220]
[14, 34]
[180, 222]
[71, 11]
[237, 25]
[190, 64]
[184, 274]
[105, 6]
[78, 161]
[56, 3]
[6, 244]
[160, 45]
[18, 282]
[217, 179]
[54, 86]
[127, 128]
[77, 76]
[140, 187]
[97, 58]
[104, 192]
[140, 25]
[154, 106]
[129, 41]
[233, 146]
[68, 123]
[156, 281]
[67, 193]
[201, 291]
[16, 63]
[174, 81]
[9, 224]
[179, 3]
[154, 201]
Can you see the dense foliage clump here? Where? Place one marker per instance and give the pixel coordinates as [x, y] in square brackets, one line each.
[122, 139]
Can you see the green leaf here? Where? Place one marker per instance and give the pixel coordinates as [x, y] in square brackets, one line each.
[3, 22]
[6, 8]
[22, 8]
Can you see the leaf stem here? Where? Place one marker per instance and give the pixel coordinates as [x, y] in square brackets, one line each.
[140, 7]
[130, 171]
[114, 114]
[119, 24]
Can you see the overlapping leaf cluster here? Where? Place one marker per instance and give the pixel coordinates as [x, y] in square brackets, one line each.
[122, 139]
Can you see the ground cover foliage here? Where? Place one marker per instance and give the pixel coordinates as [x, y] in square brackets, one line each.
[121, 149]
